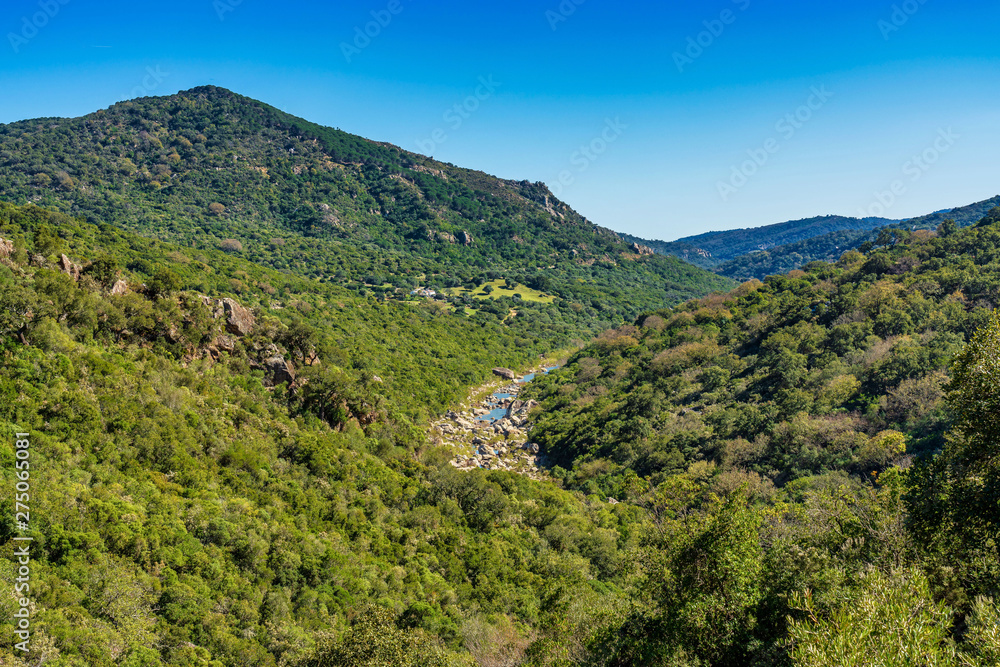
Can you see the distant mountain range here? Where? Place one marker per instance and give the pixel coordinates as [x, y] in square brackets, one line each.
[758, 252]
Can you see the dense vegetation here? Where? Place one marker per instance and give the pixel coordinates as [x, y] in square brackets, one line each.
[210, 169]
[773, 431]
[186, 511]
[228, 391]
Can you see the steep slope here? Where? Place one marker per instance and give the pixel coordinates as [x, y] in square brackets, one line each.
[210, 168]
[190, 505]
[785, 439]
[789, 377]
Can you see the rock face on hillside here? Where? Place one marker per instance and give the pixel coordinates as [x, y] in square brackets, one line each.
[6, 248]
[505, 373]
[69, 268]
[239, 320]
[642, 250]
[120, 287]
[279, 370]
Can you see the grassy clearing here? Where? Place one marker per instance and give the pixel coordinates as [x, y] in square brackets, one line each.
[499, 289]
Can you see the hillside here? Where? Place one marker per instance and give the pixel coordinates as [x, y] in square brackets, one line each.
[216, 481]
[776, 249]
[208, 168]
[807, 387]
[711, 249]
[224, 479]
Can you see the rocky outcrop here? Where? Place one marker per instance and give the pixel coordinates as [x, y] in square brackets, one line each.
[642, 250]
[120, 287]
[505, 373]
[239, 320]
[69, 268]
[444, 237]
[6, 248]
[279, 371]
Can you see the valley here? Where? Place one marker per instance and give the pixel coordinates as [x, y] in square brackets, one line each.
[299, 398]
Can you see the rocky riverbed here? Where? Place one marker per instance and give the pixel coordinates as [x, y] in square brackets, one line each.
[491, 431]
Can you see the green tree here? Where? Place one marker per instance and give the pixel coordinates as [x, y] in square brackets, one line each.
[375, 640]
[164, 283]
[891, 620]
[953, 499]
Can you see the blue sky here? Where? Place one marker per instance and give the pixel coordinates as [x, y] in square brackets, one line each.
[650, 118]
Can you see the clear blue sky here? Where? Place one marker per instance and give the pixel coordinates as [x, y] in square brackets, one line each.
[923, 82]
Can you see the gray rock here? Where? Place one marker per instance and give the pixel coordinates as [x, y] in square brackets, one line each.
[120, 287]
[279, 370]
[505, 373]
[239, 320]
[69, 268]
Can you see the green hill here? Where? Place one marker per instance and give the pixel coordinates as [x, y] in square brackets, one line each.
[759, 252]
[192, 505]
[818, 387]
[208, 168]
[712, 249]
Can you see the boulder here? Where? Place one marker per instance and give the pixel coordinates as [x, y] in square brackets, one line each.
[69, 268]
[6, 248]
[120, 287]
[239, 320]
[224, 343]
[279, 370]
[642, 250]
[505, 373]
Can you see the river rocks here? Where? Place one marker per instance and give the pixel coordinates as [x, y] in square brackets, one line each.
[482, 442]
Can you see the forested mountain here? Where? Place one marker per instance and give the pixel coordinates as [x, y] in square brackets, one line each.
[712, 249]
[806, 400]
[219, 481]
[776, 249]
[208, 168]
[828, 247]
[208, 335]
